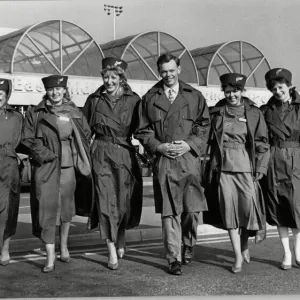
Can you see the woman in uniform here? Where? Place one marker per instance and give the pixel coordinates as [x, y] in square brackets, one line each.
[282, 183]
[239, 156]
[57, 136]
[10, 136]
[113, 117]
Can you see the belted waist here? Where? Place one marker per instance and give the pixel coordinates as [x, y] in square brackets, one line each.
[112, 139]
[234, 145]
[285, 144]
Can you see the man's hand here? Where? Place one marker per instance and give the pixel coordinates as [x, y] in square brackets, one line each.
[165, 149]
[179, 148]
[258, 176]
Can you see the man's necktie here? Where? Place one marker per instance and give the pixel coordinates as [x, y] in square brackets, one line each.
[171, 96]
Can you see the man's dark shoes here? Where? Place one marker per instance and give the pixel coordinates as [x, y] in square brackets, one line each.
[187, 254]
[175, 268]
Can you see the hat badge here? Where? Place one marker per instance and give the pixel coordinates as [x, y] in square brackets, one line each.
[238, 79]
[1, 82]
[117, 63]
[278, 71]
[60, 80]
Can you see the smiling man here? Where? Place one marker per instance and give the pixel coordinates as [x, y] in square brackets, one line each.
[174, 125]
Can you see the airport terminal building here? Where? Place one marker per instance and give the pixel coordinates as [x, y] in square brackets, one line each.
[62, 47]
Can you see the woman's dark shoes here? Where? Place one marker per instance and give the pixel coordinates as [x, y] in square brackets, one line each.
[175, 268]
[120, 252]
[246, 256]
[298, 263]
[4, 262]
[187, 255]
[49, 269]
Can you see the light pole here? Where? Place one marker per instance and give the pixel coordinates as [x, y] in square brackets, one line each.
[115, 11]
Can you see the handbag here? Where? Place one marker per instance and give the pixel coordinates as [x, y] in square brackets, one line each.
[25, 165]
[206, 165]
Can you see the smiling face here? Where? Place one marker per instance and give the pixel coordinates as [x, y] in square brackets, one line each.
[169, 72]
[281, 91]
[233, 95]
[3, 98]
[56, 95]
[111, 81]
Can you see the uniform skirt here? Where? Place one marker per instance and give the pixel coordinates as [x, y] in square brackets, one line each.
[238, 203]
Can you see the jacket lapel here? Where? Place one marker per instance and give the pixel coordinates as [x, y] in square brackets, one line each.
[273, 119]
[104, 108]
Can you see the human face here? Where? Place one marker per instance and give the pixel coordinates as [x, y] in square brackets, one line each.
[169, 73]
[233, 95]
[111, 81]
[3, 98]
[281, 91]
[56, 94]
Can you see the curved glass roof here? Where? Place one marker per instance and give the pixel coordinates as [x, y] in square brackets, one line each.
[142, 51]
[50, 47]
[236, 57]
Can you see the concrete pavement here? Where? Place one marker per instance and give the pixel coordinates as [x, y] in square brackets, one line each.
[149, 228]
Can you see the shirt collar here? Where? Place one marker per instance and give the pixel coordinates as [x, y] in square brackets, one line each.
[175, 88]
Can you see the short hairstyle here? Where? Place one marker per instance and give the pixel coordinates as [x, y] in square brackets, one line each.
[117, 70]
[165, 58]
[271, 83]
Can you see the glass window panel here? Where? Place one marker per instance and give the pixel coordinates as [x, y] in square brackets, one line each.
[250, 51]
[72, 52]
[230, 54]
[202, 76]
[136, 67]
[169, 44]
[236, 67]
[214, 77]
[149, 42]
[74, 32]
[48, 43]
[88, 64]
[188, 72]
[259, 74]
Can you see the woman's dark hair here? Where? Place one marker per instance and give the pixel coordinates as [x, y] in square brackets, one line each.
[165, 58]
[117, 70]
[236, 86]
[66, 95]
[271, 83]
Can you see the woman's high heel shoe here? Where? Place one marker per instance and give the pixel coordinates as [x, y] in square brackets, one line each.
[49, 269]
[246, 256]
[285, 267]
[65, 259]
[120, 252]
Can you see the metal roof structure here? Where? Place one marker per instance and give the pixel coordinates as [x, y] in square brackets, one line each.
[141, 52]
[235, 57]
[50, 47]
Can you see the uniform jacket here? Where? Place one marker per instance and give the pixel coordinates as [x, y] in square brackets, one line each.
[176, 182]
[113, 154]
[40, 138]
[256, 145]
[282, 183]
[11, 126]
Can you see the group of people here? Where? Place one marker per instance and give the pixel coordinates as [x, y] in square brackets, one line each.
[83, 162]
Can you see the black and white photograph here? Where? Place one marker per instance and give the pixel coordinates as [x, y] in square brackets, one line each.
[149, 148]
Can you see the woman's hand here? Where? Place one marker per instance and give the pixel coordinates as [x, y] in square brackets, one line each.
[258, 176]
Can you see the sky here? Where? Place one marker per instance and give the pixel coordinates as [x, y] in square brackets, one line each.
[270, 25]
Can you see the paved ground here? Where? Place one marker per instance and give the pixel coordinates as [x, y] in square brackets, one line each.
[143, 272]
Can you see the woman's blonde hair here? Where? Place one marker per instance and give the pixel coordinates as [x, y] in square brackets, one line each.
[117, 70]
